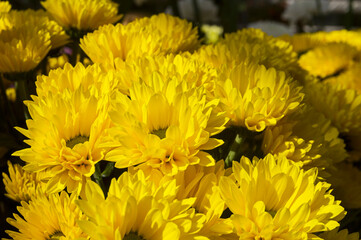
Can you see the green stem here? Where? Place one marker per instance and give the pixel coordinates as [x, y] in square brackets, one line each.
[243, 142]
[98, 178]
[22, 93]
[108, 169]
[234, 150]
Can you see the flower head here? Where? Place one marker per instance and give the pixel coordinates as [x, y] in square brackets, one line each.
[250, 45]
[348, 78]
[35, 20]
[181, 68]
[21, 185]
[342, 106]
[158, 35]
[329, 59]
[48, 217]
[136, 209]
[163, 125]
[67, 123]
[84, 14]
[306, 137]
[22, 48]
[273, 198]
[202, 183]
[256, 97]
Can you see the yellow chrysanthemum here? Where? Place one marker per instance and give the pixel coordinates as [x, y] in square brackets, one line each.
[201, 183]
[346, 181]
[52, 217]
[136, 209]
[163, 125]
[303, 42]
[339, 235]
[264, 49]
[22, 48]
[272, 198]
[350, 78]
[307, 138]
[69, 79]
[341, 106]
[21, 185]
[158, 35]
[251, 45]
[326, 60]
[66, 127]
[5, 7]
[255, 97]
[84, 14]
[352, 38]
[35, 20]
[180, 67]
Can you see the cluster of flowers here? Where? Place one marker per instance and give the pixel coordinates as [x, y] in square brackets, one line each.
[154, 135]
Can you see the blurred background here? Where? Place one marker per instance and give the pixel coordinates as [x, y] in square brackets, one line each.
[275, 16]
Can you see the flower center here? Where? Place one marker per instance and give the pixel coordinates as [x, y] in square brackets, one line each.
[56, 235]
[133, 236]
[160, 132]
[74, 141]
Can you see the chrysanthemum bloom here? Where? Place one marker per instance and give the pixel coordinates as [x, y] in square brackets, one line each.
[350, 37]
[303, 42]
[272, 198]
[201, 183]
[339, 235]
[329, 59]
[346, 182]
[158, 35]
[251, 45]
[256, 97]
[35, 20]
[68, 119]
[84, 14]
[136, 209]
[69, 79]
[21, 185]
[307, 138]
[5, 7]
[22, 48]
[52, 217]
[163, 125]
[341, 106]
[349, 78]
[180, 67]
